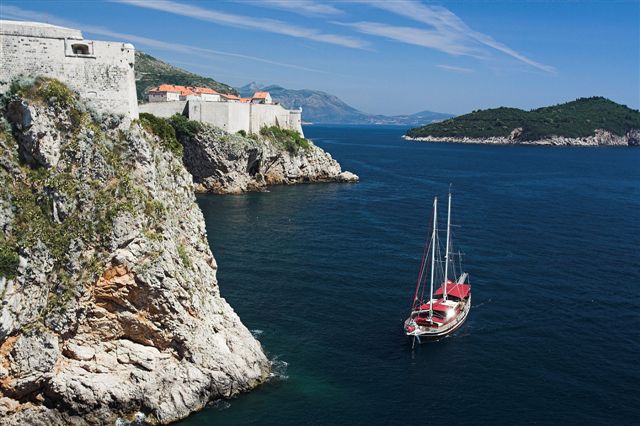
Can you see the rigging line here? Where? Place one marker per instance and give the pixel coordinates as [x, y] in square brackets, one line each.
[423, 283]
[427, 245]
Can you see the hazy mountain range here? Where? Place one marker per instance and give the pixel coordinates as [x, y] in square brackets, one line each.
[317, 106]
[322, 107]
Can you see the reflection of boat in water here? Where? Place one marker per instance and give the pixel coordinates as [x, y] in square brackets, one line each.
[440, 313]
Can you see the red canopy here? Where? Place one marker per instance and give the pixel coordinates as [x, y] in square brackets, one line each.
[437, 306]
[457, 290]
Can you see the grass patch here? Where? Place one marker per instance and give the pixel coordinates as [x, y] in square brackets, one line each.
[290, 140]
[184, 256]
[161, 128]
[9, 259]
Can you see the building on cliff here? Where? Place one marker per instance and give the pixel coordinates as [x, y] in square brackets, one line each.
[100, 71]
[170, 92]
[229, 112]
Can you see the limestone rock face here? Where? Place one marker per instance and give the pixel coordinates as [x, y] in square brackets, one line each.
[110, 304]
[230, 164]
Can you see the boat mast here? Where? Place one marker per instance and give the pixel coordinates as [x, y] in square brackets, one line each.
[446, 253]
[433, 252]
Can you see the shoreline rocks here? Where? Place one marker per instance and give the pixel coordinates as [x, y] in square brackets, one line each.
[600, 138]
[223, 163]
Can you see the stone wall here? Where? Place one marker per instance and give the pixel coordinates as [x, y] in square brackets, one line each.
[100, 71]
[164, 109]
[230, 116]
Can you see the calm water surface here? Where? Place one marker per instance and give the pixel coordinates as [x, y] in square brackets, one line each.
[323, 275]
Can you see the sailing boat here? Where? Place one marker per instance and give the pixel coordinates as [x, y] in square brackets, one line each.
[442, 312]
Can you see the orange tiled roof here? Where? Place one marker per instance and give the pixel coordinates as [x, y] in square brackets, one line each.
[183, 90]
[245, 100]
[229, 96]
[168, 88]
[260, 95]
[204, 90]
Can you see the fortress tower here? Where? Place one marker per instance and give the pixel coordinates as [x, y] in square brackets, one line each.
[100, 71]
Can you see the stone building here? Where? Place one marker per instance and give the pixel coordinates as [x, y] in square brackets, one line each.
[229, 112]
[100, 71]
[171, 92]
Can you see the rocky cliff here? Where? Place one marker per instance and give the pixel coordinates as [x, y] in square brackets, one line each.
[110, 305]
[599, 138]
[231, 163]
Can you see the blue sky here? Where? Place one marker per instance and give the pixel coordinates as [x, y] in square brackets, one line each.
[388, 57]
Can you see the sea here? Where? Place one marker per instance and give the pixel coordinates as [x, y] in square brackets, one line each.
[323, 275]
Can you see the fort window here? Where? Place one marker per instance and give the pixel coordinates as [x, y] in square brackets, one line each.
[80, 49]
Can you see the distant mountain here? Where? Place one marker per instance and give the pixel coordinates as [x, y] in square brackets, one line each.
[322, 107]
[151, 72]
[577, 119]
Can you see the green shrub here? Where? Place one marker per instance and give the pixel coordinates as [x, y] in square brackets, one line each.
[241, 132]
[184, 257]
[9, 260]
[184, 128]
[291, 140]
[165, 131]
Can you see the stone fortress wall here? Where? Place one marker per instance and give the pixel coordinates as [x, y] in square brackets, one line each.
[230, 116]
[100, 71]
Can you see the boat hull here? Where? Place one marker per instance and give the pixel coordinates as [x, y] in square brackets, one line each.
[431, 333]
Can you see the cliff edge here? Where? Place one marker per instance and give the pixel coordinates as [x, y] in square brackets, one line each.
[110, 304]
[224, 163]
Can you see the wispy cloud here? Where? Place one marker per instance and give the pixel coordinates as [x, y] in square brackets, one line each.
[13, 12]
[303, 7]
[448, 32]
[248, 22]
[416, 36]
[454, 68]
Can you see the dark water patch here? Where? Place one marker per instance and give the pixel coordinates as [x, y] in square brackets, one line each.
[551, 237]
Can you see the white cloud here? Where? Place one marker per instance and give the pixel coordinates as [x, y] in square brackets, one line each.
[303, 7]
[455, 68]
[419, 37]
[13, 12]
[453, 34]
[240, 21]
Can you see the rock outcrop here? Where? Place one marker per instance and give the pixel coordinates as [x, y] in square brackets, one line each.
[225, 163]
[600, 138]
[110, 305]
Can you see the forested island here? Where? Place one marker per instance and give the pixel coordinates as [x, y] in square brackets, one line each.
[593, 121]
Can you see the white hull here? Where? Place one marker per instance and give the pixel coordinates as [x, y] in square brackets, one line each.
[434, 333]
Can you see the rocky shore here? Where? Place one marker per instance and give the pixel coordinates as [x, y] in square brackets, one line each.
[110, 304]
[225, 163]
[600, 138]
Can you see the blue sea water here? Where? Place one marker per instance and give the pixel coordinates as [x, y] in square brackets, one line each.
[324, 275]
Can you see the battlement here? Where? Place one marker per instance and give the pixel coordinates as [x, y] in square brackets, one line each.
[100, 71]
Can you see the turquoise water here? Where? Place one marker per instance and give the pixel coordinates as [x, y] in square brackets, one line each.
[324, 275]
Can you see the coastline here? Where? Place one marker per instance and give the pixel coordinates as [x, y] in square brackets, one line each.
[600, 138]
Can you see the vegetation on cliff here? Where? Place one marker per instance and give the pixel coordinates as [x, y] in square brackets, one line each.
[152, 72]
[290, 140]
[576, 119]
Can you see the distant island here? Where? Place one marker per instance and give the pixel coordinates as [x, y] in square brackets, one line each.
[324, 108]
[594, 121]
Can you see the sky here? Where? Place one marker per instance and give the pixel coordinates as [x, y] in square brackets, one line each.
[382, 56]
